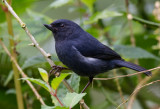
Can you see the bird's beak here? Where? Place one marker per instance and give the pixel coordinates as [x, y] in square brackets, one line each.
[48, 26]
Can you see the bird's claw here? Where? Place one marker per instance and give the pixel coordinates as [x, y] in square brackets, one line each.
[57, 69]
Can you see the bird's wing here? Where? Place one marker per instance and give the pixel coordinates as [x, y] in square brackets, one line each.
[95, 49]
[105, 53]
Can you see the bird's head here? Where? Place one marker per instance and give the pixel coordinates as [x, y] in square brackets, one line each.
[62, 28]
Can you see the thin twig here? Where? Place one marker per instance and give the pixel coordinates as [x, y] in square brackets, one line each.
[143, 21]
[132, 38]
[132, 98]
[54, 94]
[136, 90]
[119, 88]
[22, 73]
[126, 75]
[46, 55]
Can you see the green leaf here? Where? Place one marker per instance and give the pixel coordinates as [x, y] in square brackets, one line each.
[72, 99]
[38, 16]
[134, 52]
[89, 4]
[9, 78]
[53, 107]
[94, 32]
[59, 3]
[55, 101]
[39, 82]
[43, 74]
[74, 81]
[56, 81]
[35, 25]
[19, 6]
[102, 15]
[35, 60]
[47, 107]
[59, 107]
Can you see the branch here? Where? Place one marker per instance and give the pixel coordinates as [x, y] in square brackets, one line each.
[126, 75]
[140, 20]
[119, 89]
[136, 91]
[46, 55]
[13, 51]
[22, 73]
[132, 37]
[132, 98]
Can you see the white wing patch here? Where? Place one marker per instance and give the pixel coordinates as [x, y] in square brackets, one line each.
[83, 58]
[89, 59]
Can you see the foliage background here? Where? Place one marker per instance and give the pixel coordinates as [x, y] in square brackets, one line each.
[104, 19]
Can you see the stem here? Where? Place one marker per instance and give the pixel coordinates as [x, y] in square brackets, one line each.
[153, 24]
[132, 38]
[121, 76]
[119, 88]
[15, 70]
[22, 73]
[54, 94]
[58, 99]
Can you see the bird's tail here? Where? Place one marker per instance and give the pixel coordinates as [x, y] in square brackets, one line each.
[132, 66]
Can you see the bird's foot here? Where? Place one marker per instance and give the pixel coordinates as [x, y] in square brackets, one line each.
[57, 69]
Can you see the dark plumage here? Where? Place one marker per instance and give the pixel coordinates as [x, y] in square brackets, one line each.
[83, 53]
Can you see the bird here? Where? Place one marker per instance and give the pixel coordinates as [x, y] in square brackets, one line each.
[84, 54]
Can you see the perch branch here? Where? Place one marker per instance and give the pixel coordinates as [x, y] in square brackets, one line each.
[22, 73]
[121, 76]
[46, 55]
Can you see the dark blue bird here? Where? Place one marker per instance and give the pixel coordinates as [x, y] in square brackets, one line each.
[83, 53]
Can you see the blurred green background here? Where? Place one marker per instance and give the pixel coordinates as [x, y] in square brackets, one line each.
[137, 40]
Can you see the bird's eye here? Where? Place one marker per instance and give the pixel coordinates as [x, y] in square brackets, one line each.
[62, 25]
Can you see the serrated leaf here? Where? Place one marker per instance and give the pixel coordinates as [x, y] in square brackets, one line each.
[89, 4]
[71, 99]
[134, 52]
[101, 15]
[59, 3]
[39, 82]
[43, 74]
[56, 81]
[74, 81]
